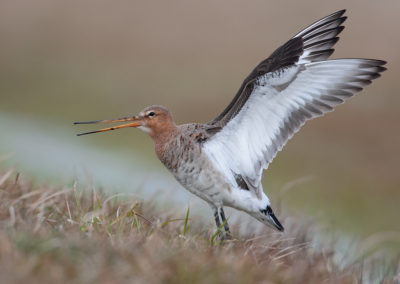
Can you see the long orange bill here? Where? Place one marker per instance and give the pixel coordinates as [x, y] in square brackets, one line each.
[135, 123]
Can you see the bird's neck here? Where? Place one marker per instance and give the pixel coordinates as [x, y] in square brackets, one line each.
[164, 141]
[161, 135]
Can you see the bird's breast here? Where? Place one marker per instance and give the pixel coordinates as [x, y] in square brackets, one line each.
[177, 152]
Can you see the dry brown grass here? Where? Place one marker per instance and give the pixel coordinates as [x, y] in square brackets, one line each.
[53, 235]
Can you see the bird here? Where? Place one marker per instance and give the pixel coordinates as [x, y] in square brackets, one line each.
[222, 161]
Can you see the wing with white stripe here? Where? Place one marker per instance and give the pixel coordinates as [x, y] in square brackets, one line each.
[280, 103]
[314, 43]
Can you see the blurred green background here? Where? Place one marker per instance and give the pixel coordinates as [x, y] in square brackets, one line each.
[66, 61]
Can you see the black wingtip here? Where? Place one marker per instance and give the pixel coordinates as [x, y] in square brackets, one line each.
[268, 211]
[339, 13]
[382, 62]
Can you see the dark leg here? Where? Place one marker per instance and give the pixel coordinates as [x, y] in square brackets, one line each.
[225, 234]
[226, 226]
[216, 216]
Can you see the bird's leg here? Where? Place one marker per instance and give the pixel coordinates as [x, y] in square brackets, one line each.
[221, 234]
[225, 222]
[225, 234]
[216, 216]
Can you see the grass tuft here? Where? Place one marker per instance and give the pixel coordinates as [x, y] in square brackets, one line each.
[53, 235]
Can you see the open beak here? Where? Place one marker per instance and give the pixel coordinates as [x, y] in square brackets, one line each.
[135, 123]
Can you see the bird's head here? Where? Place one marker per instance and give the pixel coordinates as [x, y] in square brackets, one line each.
[153, 120]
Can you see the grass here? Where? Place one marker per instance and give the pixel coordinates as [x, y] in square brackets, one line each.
[53, 235]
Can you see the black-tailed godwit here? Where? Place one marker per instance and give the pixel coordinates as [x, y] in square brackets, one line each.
[222, 161]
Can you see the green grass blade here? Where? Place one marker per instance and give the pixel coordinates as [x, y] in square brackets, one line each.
[171, 221]
[185, 227]
[219, 230]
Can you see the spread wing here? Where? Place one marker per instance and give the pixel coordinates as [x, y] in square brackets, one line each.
[295, 84]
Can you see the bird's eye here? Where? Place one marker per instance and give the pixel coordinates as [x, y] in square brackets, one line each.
[151, 114]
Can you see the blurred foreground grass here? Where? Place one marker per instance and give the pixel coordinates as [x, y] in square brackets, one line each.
[53, 235]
